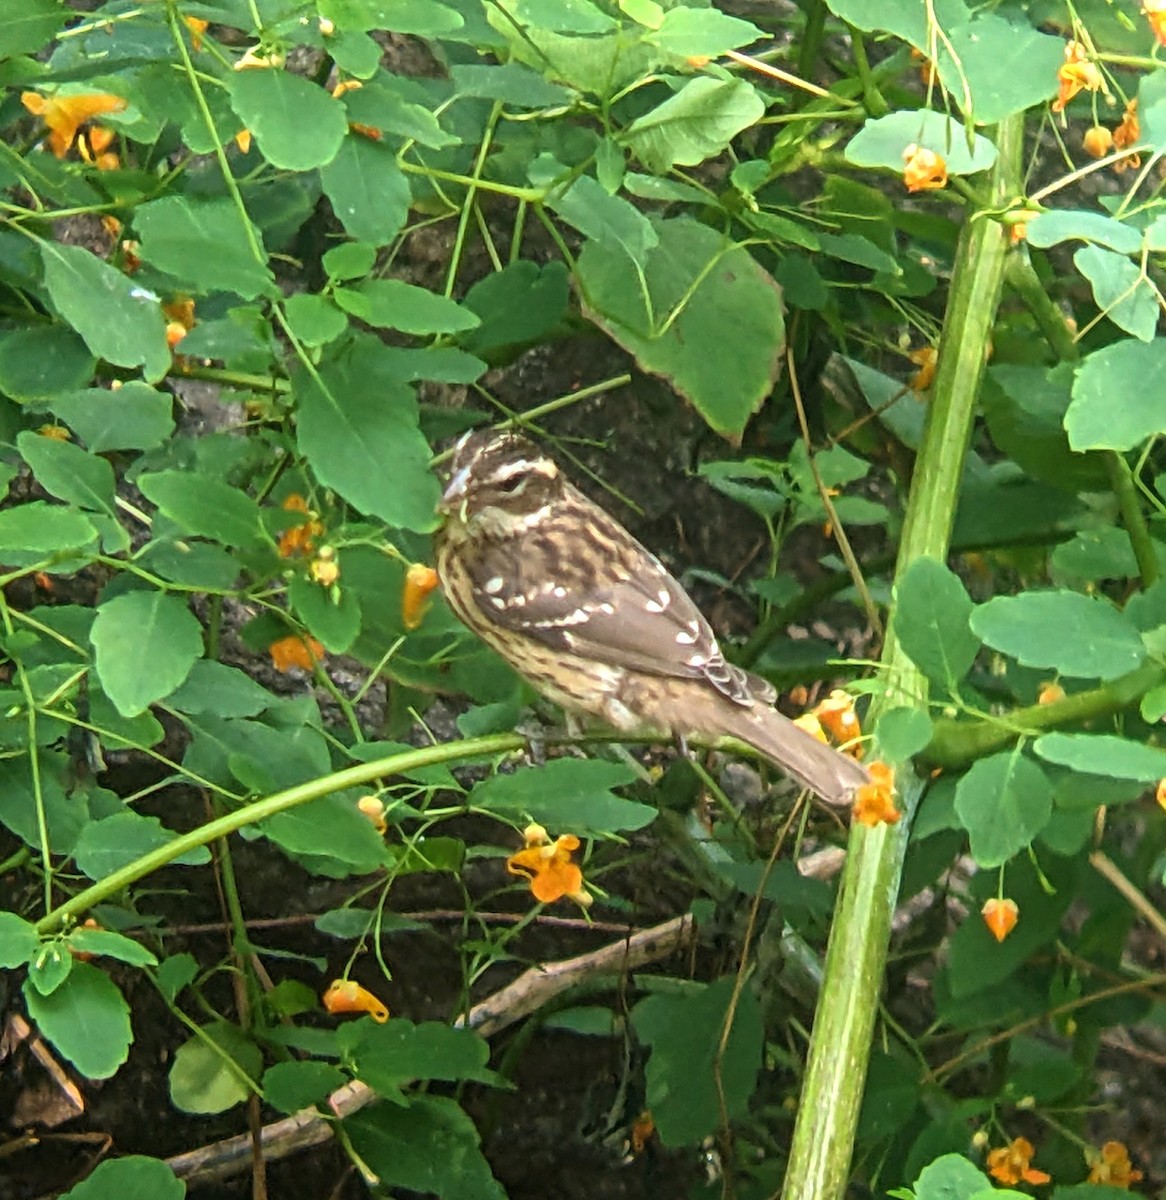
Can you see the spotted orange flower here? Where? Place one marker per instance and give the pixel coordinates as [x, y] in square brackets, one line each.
[197, 27]
[301, 539]
[420, 581]
[1155, 11]
[1075, 74]
[1111, 1165]
[1000, 916]
[837, 716]
[1050, 692]
[1009, 1164]
[1097, 140]
[1127, 134]
[926, 358]
[93, 147]
[874, 802]
[347, 996]
[65, 114]
[810, 723]
[923, 169]
[295, 651]
[548, 866]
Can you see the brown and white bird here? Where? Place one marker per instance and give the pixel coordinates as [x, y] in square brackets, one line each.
[593, 620]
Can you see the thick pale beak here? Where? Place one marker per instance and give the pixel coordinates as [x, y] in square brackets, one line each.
[455, 490]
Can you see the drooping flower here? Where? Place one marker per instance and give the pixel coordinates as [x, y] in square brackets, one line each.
[301, 539]
[347, 996]
[420, 581]
[1050, 692]
[1160, 793]
[324, 569]
[923, 169]
[926, 358]
[1097, 140]
[1009, 1164]
[874, 802]
[837, 716]
[197, 27]
[548, 866]
[1075, 74]
[1112, 1166]
[373, 807]
[810, 723]
[1000, 915]
[1155, 11]
[64, 114]
[295, 651]
[1127, 134]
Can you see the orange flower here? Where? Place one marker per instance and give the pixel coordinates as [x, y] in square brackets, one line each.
[874, 802]
[1113, 1167]
[324, 568]
[295, 651]
[928, 75]
[243, 141]
[1050, 692]
[810, 723]
[197, 27]
[1127, 134]
[548, 866]
[643, 1129]
[373, 808]
[1160, 792]
[923, 169]
[301, 539]
[347, 996]
[837, 716]
[1000, 916]
[420, 580]
[1009, 1164]
[926, 359]
[64, 115]
[258, 59]
[93, 146]
[56, 433]
[1074, 74]
[1018, 232]
[1098, 141]
[1155, 11]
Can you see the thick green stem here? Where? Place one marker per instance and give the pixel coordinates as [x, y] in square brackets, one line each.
[823, 1139]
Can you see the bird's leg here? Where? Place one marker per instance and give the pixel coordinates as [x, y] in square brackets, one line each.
[682, 747]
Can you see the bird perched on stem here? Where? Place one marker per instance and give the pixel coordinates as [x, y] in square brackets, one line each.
[593, 620]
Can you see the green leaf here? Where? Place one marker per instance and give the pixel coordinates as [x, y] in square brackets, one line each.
[1103, 754]
[609, 220]
[290, 1086]
[1064, 631]
[217, 688]
[902, 732]
[1121, 290]
[38, 529]
[111, 945]
[567, 795]
[22, 805]
[50, 968]
[132, 417]
[394, 304]
[204, 506]
[116, 841]
[69, 473]
[901, 17]
[1003, 802]
[932, 613]
[205, 243]
[388, 1056]
[119, 320]
[297, 124]
[369, 192]
[882, 141]
[1061, 225]
[1117, 396]
[330, 826]
[698, 122]
[146, 643]
[701, 33]
[684, 1032]
[513, 83]
[430, 1147]
[315, 320]
[134, 1177]
[711, 322]
[332, 618]
[87, 1019]
[423, 18]
[358, 427]
[951, 1177]
[383, 105]
[28, 25]
[175, 973]
[18, 940]
[39, 362]
[516, 306]
[210, 1071]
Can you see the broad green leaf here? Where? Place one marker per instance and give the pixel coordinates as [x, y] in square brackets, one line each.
[603, 218]
[331, 826]
[430, 1147]
[1103, 754]
[1063, 631]
[132, 417]
[702, 32]
[1117, 396]
[204, 243]
[382, 105]
[116, 841]
[903, 18]
[443, 364]
[951, 1177]
[560, 16]
[39, 362]
[38, 529]
[290, 1086]
[387, 1057]
[198, 565]
[204, 506]
[518, 305]
[349, 260]
[1062, 225]
[210, 1071]
[145, 643]
[18, 940]
[369, 192]
[1093, 555]
[902, 733]
[69, 473]
[1120, 289]
[394, 304]
[175, 973]
[133, 1177]
[28, 25]
[932, 612]
[22, 806]
[217, 688]
[684, 1032]
[111, 945]
[423, 18]
[50, 968]
[119, 320]
[332, 618]
[567, 795]
[513, 83]
[1003, 802]
[87, 1019]
[315, 320]
[882, 141]
[711, 323]
[697, 123]
[358, 428]
[297, 124]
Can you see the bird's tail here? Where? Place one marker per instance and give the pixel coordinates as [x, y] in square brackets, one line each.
[831, 774]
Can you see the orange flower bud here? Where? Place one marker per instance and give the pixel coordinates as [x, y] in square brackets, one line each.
[926, 358]
[197, 27]
[347, 996]
[1098, 141]
[1050, 693]
[420, 580]
[923, 169]
[1000, 916]
[324, 568]
[1160, 792]
[373, 808]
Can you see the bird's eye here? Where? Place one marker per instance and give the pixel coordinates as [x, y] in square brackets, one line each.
[511, 485]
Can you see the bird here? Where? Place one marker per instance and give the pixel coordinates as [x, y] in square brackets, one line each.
[594, 621]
